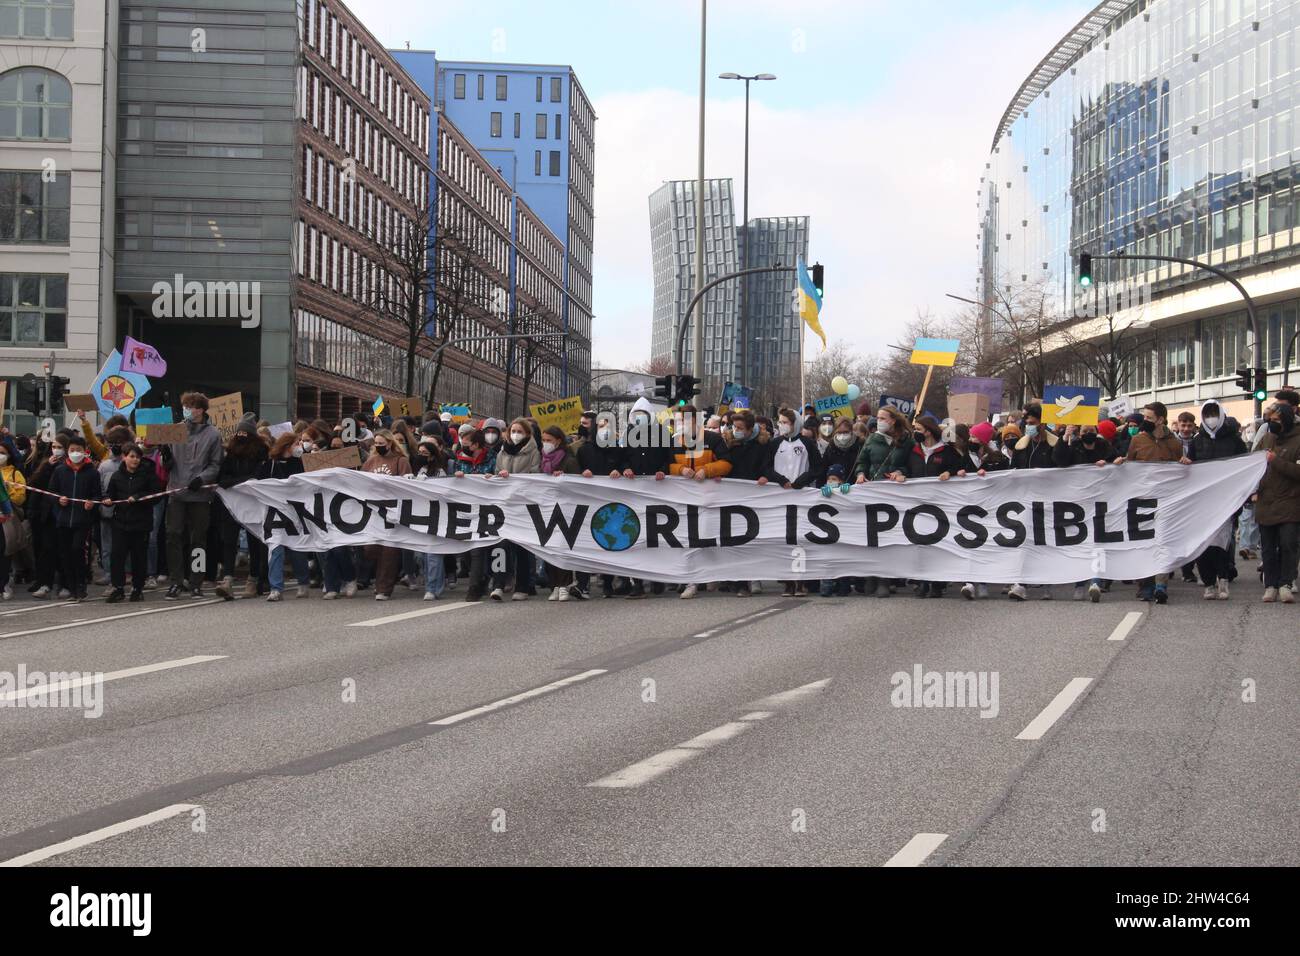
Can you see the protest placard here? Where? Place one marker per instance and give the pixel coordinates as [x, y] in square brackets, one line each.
[225, 412]
[338, 458]
[564, 412]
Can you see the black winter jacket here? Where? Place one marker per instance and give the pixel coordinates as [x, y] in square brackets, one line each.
[601, 460]
[1224, 443]
[834, 455]
[242, 462]
[124, 484]
[1035, 454]
[753, 459]
[80, 483]
[1078, 453]
[943, 458]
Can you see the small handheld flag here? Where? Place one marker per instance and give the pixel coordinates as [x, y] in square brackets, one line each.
[378, 407]
[810, 302]
[941, 352]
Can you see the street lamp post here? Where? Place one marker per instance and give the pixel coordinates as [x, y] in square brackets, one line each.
[743, 324]
[697, 338]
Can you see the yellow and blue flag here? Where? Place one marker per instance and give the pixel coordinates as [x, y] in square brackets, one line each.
[810, 302]
[935, 352]
[378, 407]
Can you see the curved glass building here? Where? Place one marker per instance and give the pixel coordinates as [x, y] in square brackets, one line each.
[1157, 127]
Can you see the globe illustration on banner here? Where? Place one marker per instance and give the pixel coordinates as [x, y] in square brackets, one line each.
[615, 527]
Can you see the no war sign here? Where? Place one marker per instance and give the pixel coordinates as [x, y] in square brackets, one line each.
[564, 412]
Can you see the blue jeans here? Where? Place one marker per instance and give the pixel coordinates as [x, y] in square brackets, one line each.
[159, 509]
[435, 573]
[339, 569]
[106, 543]
[276, 570]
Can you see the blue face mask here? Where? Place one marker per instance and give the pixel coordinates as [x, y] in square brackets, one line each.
[188, 413]
[1031, 430]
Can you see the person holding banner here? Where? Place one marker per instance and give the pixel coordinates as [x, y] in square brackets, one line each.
[192, 465]
[283, 461]
[518, 456]
[132, 519]
[1277, 509]
[244, 457]
[386, 458]
[884, 457]
[78, 478]
[558, 460]
[1155, 442]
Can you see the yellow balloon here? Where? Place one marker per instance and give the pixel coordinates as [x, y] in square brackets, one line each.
[840, 385]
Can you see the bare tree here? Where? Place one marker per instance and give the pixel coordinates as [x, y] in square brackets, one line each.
[864, 371]
[1107, 357]
[900, 377]
[663, 365]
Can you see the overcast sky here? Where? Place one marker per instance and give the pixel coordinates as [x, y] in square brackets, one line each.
[877, 127]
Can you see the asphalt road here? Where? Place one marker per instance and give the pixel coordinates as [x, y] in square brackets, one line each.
[723, 730]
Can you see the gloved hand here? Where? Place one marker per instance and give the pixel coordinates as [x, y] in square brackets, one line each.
[827, 491]
[195, 483]
[845, 487]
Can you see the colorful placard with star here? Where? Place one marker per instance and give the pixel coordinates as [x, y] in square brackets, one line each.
[117, 392]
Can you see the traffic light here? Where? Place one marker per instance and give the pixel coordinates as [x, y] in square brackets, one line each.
[687, 388]
[1261, 384]
[29, 395]
[818, 277]
[1085, 269]
[1244, 379]
[664, 388]
[58, 388]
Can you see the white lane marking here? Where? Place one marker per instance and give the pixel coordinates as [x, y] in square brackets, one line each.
[1052, 712]
[126, 826]
[785, 698]
[738, 622]
[917, 849]
[515, 698]
[423, 612]
[62, 685]
[1125, 627]
[40, 606]
[656, 765]
[112, 617]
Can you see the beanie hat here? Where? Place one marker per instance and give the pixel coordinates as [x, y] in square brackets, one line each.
[1135, 419]
[982, 433]
[1010, 432]
[864, 408]
[246, 426]
[835, 471]
[1106, 429]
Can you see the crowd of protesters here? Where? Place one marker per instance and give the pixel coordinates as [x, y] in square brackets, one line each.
[80, 506]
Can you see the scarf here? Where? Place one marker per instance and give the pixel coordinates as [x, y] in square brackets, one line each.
[510, 448]
[552, 460]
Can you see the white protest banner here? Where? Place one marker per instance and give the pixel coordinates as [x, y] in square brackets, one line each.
[1043, 526]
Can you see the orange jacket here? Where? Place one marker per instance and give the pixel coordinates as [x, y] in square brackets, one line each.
[711, 458]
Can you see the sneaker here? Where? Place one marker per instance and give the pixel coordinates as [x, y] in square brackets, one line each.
[1094, 592]
[1079, 592]
[519, 596]
[350, 589]
[42, 592]
[196, 593]
[162, 579]
[430, 596]
[555, 595]
[637, 593]
[1270, 595]
[1286, 595]
[330, 596]
[787, 591]
[474, 594]
[225, 588]
[173, 592]
[1223, 590]
[116, 596]
[563, 594]
[303, 591]
[273, 597]
[689, 592]
[101, 579]
[151, 584]
[578, 593]
[1017, 592]
[982, 592]
[136, 596]
[381, 596]
[64, 594]
[968, 591]
[1212, 593]
[1145, 593]
[497, 594]
[743, 590]
[7, 594]
[1161, 595]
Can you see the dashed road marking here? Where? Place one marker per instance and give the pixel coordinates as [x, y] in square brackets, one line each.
[1053, 711]
[917, 849]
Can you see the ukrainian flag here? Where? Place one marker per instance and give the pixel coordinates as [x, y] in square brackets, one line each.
[810, 302]
[378, 407]
[935, 352]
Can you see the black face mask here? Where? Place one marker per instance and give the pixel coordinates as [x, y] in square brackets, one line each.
[1275, 427]
[1148, 427]
[1090, 439]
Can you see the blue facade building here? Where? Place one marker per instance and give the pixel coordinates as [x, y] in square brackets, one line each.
[536, 125]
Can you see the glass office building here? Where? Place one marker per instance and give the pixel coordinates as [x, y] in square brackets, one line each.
[1158, 128]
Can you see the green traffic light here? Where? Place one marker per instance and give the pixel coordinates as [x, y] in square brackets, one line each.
[1261, 394]
[1085, 281]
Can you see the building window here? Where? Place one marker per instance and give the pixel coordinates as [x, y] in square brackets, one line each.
[501, 87]
[496, 125]
[36, 19]
[555, 162]
[480, 86]
[33, 309]
[541, 126]
[35, 104]
[559, 132]
[459, 92]
[516, 126]
[556, 90]
[32, 210]
[537, 162]
[539, 89]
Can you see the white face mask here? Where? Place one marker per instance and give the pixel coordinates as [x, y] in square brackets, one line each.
[826, 430]
[1213, 422]
[4, 459]
[76, 457]
[785, 429]
[549, 446]
[884, 425]
[844, 440]
[491, 438]
[517, 437]
[297, 451]
[56, 453]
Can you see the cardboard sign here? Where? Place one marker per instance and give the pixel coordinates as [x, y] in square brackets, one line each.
[146, 418]
[460, 414]
[225, 412]
[283, 428]
[338, 458]
[990, 388]
[941, 352]
[80, 403]
[168, 434]
[905, 405]
[969, 409]
[838, 405]
[564, 412]
[399, 406]
[1121, 406]
[1070, 405]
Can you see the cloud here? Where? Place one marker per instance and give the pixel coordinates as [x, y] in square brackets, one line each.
[889, 182]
